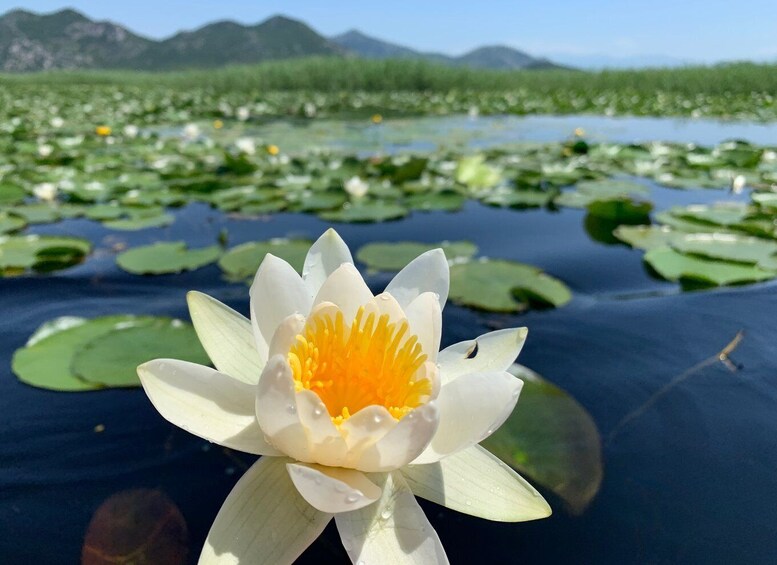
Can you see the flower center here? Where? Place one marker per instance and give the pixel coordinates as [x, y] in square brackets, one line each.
[372, 361]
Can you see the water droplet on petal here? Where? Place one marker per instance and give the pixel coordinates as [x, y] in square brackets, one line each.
[291, 409]
[351, 498]
[386, 514]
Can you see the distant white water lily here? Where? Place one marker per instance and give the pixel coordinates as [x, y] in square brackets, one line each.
[57, 122]
[245, 145]
[356, 187]
[353, 409]
[44, 150]
[191, 131]
[738, 184]
[131, 130]
[45, 191]
[242, 113]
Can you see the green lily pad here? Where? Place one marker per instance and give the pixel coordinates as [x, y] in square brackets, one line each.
[553, 440]
[166, 257]
[447, 201]
[620, 209]
[45, 362]
[721, 214]
[140, 222]
[317, 201]
[646, 237]
[11, 194]
[10, 223]
[241, 262]
[41, 253]
[668, 218]
[520, 198]
[505, 286]
[366, 211]
[476, 173]
[384, 256]
[696, 271]
[38, 213]
[729, 247]
[111, 359]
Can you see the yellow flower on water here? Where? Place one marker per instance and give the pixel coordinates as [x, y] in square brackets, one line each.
[579, 132]
[377, 118]
[273, 149]
[103, 131]
[218, 124]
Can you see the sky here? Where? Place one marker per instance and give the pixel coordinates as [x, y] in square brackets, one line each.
[703, 31]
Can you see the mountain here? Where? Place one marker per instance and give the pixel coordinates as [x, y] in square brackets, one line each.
[64, 40]
[225, 43]
[490, 57]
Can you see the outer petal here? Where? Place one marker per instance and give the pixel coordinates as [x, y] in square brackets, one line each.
[366, 427]
[276, 410]
[474, 481]
[345, 288]
[263, 520]
[206, 403]
[323, 258]
[471, 408]
[426, 273]
[403, 443]
[226, 336]
[425, 319]
[277, 292]
[332, 489]
[491, 352]
[393, 530]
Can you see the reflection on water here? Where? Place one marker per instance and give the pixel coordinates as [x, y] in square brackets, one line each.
[690, 480]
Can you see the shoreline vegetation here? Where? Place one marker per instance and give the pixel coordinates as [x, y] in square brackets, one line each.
[347, 86]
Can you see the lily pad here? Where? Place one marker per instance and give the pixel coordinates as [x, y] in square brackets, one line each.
[646, 237]
[696, 271]
[111, 359]
[553, 440]
[166, 257]
[10, 223]
[520, 198]
[730, 247]
[40, 252]
[46, 359]
[384, 256]
[241, 262]
[364, 212]
[140, 222]
[447, 201]
[474, 172]
[620, 209]
[505, 286]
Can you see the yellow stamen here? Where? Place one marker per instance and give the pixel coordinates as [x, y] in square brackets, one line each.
[371, 361]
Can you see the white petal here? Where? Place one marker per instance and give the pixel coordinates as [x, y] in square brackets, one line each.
[263, 520]
[276, 410]
[332, 489]
[475, 482]
[206, 403]
[403, 443]
[393, 530]
[323, 258]
[471, 408]
[490, 353]
[345, 288]
[364, 428]
[226, 336]
[387, 304]
[325, 443]
[277, 293]
[425, 319]
[285, 335]
[426, 273]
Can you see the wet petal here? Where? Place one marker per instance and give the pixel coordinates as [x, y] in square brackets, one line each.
[491, 352]
[475, 482]
[425, 319]
[325, 443]
[332, 489]
[206, 403]
[426, 273]
[263, 520]
[471, 408]
[345, 288]
[392, 530]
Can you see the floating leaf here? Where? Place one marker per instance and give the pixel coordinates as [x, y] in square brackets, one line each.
[476, 173]
[166, 257]
[140, 222]
[367, 211]
[111, 359]
[729, 247]
[646, 237]
[520, 198]
[394, 256]
[241, 262]
[505, 286]
[40, 252]
[10, 223]
[136, 527]
[46, 359]
[552, 439]
[696, 271]
[620, 209]
[447, 201]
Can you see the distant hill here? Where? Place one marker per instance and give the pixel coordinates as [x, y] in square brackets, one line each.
[69, 40]
[65, 40]
[490, 57]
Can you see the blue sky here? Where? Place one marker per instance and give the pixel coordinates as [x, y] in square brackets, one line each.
[693, 30]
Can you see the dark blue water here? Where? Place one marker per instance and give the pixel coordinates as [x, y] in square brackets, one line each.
[692, 480]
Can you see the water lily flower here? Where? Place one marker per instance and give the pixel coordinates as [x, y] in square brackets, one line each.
[45, 191]
[377, 119]
[103, 131]
[356, 187]
[191, 131]
[352, 407]
[243, 113]
[738, 184]
[131, 130]
[245, 145]
[218, 124]
[272, 150]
